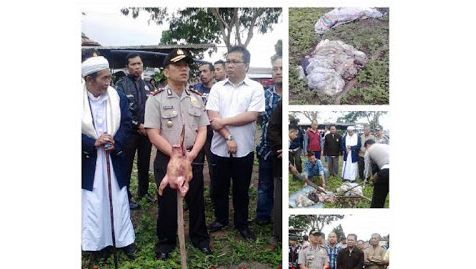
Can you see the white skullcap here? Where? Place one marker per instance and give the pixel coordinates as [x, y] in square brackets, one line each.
[93, 65]
[350, 128]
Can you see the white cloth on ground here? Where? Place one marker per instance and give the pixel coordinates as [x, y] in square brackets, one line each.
[96, 221]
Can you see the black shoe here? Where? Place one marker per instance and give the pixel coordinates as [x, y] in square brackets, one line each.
[130, 251]
[207, 251]
[262, 222]
[102, 255]
[162, 256]
[247, 234]
[216, 226]
[133, 206]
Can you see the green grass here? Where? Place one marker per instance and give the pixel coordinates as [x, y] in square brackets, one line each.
[229, 248]
[332, 184]
[369, 36]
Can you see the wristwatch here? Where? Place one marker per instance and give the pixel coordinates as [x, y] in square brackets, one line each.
[229, 137]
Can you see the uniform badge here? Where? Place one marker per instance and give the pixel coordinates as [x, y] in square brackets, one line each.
[174, 112]
[322, 251]
[193, 100]
[147, 88]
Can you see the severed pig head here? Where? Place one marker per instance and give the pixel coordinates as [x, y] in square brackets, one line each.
[179, 170]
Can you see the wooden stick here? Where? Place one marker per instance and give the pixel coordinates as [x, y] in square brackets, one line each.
[181, 232]
[111, 211]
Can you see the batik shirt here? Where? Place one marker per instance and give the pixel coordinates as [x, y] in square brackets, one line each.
[272, 99]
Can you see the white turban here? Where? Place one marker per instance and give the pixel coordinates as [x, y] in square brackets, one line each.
[93, 65]
[350, 128]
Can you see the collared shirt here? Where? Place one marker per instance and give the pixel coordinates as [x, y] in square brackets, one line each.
[204, 90]
[377, 154]
[347, 259]
[364, 138]
[169, 112]
[136, 92]
[332, 254]
[372, 255]
[313, 257]
[314, 140]
[229, 100]
[272, 99]
[313, 169]
[299, 141]
[332, 144]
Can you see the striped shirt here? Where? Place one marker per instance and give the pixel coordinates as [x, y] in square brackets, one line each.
[272, 99]
[332, 254]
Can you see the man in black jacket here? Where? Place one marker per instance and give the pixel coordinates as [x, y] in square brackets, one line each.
[275, 134]
[136, 90]
[332, 143]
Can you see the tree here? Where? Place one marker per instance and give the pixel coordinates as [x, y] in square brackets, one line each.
[233, 26]
[339, 232]
[371, 116]
[323, 220]
[278, 47]
[302, 221]
[310, 115]
[293, 117]
[308, 222]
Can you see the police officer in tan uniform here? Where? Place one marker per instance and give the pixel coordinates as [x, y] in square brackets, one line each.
[313, 256]
[167, 111]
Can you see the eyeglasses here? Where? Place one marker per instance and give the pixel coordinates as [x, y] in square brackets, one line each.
[234, 62]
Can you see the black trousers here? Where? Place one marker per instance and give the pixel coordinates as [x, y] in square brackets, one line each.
[361, 165]
[143, 146]
[167, 217]
[239, 170]
[208, 155]
[381, 188]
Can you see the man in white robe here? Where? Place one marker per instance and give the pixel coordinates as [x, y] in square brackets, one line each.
[105, 126]
[350, 147]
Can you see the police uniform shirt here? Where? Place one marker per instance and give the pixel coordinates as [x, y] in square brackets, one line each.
[168, 112]
[313, 257]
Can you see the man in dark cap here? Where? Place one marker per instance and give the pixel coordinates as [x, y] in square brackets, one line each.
[313, 256]
[167, 112]
[136, 90]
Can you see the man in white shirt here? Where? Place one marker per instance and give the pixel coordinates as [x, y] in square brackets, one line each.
[233, 107]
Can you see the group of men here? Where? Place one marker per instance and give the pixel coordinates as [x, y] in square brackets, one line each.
[219, 120]
[319, 254]
[360, 157]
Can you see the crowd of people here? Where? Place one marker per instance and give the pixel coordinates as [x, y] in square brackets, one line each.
[218, 119]
[315, 252]
[360, 158]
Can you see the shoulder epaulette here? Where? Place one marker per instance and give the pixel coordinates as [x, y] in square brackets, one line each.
[304, 247]
[196, 92]
[157, 91]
